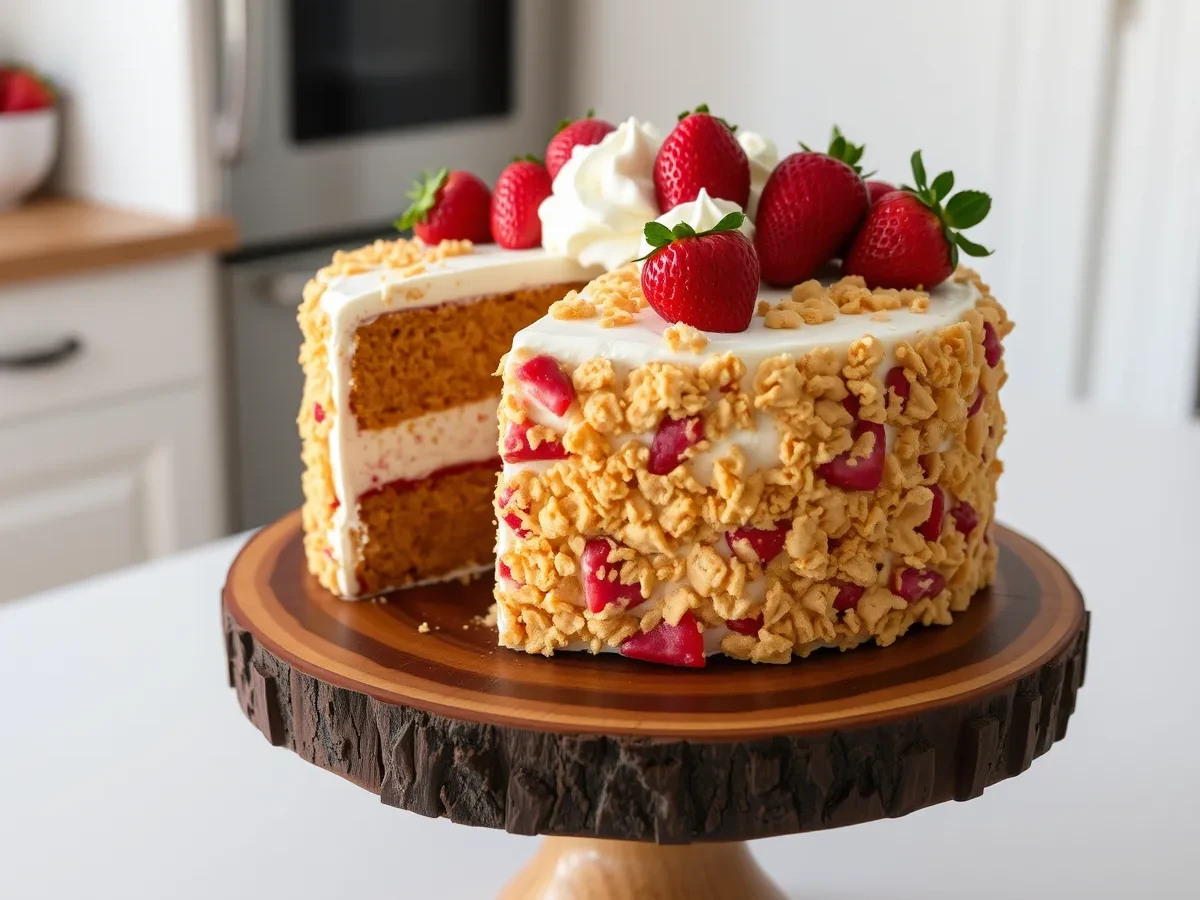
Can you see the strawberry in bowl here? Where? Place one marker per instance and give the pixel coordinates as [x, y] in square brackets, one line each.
[28, 133]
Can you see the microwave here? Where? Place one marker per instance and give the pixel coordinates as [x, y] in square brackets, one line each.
[329, 108]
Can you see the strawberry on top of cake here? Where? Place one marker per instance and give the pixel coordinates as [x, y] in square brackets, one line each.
[729, 447]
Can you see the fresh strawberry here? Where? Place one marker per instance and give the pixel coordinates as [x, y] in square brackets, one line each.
[912, 585]
[767, 543]
[910, 240]
[671, 439]
[701, 152]
[672, 645]
[449, 206]
[22, 91]
[545, 383]
[580, 133]
[876, 189]
[809, 210]
[707, 280]
[749, 625]
[976, 404]
[600, 588]
[516, 446]
[858, 473]
[931, 529]
[520, 190]
[965, 517]
[847, 596]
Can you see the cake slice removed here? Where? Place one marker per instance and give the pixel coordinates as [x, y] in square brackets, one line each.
[401, 342]
[822, 479]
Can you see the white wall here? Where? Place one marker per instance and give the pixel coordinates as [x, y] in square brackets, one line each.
[1019, 98]
[131, 75]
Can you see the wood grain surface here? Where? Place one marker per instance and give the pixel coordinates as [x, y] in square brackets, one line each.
[55, 236]
[446, 723]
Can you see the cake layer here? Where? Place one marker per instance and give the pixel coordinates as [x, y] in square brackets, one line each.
[435, 528]
[366, 461]
[825, 478]
[418, 361]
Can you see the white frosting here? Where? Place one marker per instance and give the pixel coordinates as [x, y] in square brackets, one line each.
[702, 214]
[763, 158]
[572, 342]
[362, 460]
[603, 197]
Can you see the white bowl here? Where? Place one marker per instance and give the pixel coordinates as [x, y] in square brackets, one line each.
[28, 141]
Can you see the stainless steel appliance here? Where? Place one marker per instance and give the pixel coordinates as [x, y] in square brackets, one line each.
[328, 108]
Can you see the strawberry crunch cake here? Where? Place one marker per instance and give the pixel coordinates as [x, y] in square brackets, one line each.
[760, 417]
[730, 447]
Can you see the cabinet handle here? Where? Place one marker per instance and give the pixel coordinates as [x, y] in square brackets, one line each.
[41, 357]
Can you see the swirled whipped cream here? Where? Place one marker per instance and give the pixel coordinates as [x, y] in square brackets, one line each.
[603, 197]
[763, 158]
[702, 214]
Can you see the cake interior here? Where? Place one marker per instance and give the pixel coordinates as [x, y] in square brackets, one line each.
[422, 402]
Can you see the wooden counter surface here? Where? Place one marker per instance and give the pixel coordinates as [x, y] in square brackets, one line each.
[56, 236]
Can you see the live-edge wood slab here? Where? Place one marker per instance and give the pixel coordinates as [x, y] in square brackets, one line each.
[444, 723]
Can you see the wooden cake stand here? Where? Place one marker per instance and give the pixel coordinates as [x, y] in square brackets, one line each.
[625, 764]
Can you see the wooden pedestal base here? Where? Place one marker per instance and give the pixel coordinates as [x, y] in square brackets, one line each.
[647, 778]
[587, 869]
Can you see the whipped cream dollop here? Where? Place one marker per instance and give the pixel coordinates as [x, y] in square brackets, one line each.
[702, 214]
[763, 158]
[603, 197]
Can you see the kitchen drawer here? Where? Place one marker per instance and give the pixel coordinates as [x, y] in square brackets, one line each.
[108, 486]
[72, 342]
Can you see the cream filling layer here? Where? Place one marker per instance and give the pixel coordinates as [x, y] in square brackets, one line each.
[416, 448]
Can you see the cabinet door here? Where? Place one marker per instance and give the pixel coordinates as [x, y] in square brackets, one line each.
[114, 485]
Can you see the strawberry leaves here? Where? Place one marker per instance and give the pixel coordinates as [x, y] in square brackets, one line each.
[659, 235]
[423, 195]
[703, 108]
[965, 209]
[842, 150]
[563, 123]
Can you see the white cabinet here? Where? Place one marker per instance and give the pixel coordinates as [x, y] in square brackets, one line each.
[113, 454]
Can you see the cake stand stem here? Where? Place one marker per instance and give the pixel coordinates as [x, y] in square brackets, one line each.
[590, 869]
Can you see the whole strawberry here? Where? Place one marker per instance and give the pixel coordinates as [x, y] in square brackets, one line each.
[582, 132]
[701, 152]
[707, 280]
[22, 91]
[910, 240]
[810, 208]
[876, 189]
[520, 190]
[449, 205]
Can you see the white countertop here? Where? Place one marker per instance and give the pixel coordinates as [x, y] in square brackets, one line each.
[127, 769]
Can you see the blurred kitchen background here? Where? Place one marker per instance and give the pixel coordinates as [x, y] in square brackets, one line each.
[211, 155]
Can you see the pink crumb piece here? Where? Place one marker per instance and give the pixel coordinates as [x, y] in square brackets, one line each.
[517, 447]
[766, 543]
[912, 584]
[673, 437]
[858, 473]
[931, 528]
[543, 382]
[671, 645]
[599, 587]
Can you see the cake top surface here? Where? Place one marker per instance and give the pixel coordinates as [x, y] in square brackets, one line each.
[406, 274]
[829, 313]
